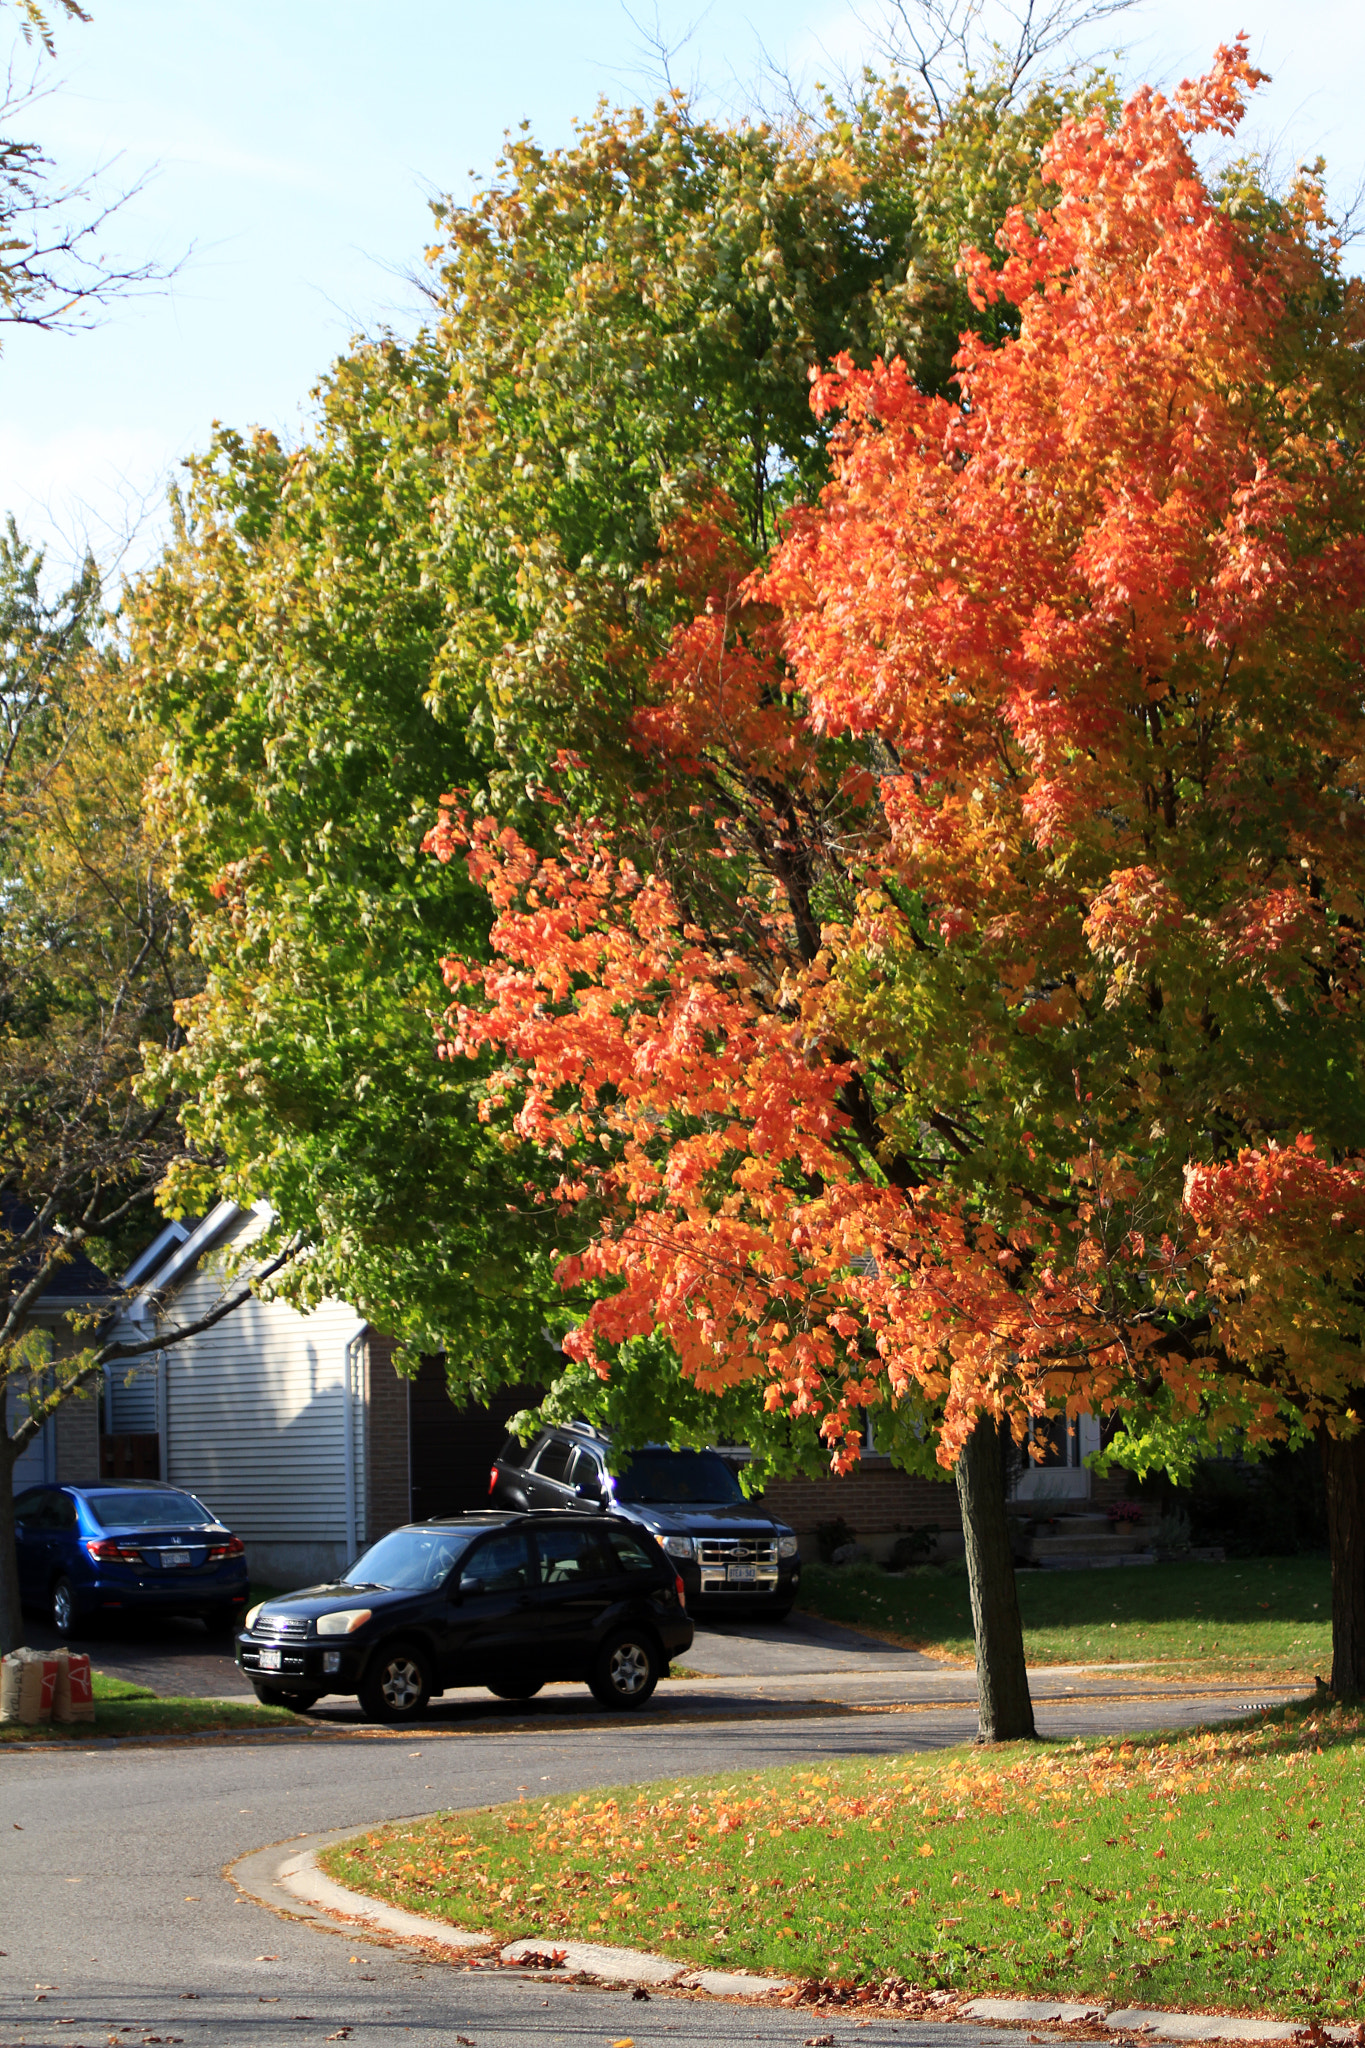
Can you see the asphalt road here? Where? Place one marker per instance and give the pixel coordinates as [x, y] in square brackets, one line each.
[118, 1923]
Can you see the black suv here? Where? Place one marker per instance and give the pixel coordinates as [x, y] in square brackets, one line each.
[496, 1600]
[730, 1553]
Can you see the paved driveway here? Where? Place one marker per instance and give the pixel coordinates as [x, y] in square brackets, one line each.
[183, 1657]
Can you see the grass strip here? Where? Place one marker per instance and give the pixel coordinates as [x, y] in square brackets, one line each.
[1220, 1869]
[125, 1709]
[1268, 1617]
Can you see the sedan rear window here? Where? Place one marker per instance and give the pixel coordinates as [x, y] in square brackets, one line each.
[657, 1477]
[409, 1560]
[148, 1510]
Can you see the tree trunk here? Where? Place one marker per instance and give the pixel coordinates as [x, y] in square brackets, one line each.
[1343, 1469]
[1004, 1707]
[11, 1620]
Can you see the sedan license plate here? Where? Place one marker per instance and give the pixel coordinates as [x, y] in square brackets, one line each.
[270, 1660]
[170, 1557]
[742, 1574]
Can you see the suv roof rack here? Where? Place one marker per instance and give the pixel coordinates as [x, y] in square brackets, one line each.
[583, 1429]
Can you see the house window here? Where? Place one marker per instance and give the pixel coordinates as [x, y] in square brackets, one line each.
[1059, 1439]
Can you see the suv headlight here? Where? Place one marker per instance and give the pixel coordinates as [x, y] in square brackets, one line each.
[250, 1621]
[678, 1546]
[343, 1622]
[787, 1546]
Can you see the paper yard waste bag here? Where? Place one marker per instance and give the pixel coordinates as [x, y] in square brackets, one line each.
[37, 1687]
[28, 1686]
[11, 1672]
[75, 1696]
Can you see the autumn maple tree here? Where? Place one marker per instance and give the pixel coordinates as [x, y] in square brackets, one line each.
[448, 578]
[968, 1021]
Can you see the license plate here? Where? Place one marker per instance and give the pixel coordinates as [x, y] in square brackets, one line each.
[171, 1557]
[270, 1660]
[742, 1574]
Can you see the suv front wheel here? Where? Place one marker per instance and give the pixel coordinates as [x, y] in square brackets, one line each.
[397, 1684]
[627, 1669]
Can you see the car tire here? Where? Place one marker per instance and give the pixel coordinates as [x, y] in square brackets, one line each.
[396, 1685]
[778, 1613]
[516, 1689]
[65, 1613]
[225, 1616]
[627, 1669]
[276, 1696]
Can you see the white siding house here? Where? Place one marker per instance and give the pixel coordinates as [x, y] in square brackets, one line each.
[264, 1415]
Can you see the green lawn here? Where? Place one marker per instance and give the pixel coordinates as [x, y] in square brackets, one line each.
[124, 1709]
[1217, 1869]
[1267, 1616]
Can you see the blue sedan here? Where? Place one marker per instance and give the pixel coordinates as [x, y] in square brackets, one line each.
[103, 1550]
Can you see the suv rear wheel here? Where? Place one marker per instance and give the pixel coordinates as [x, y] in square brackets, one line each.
[627, 1669]
[397, 1684]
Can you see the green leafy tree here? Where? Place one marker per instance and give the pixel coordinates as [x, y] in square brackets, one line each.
[94, 956]
[454, 583]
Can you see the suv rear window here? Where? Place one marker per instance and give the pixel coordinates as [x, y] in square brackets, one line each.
[631, 1552]
[553, 1461]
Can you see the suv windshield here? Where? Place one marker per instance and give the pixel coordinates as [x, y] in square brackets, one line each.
[411, 1559]
[147, 1511]
[700, 1477]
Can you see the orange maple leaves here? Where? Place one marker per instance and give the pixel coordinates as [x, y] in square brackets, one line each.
[1036, 751]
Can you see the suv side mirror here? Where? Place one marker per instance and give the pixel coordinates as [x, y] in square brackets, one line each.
[592, 1491]
[465, 1586]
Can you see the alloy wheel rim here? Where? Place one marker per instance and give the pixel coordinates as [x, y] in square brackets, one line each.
[61, 1607]
[402, 1684]
[629, 1667]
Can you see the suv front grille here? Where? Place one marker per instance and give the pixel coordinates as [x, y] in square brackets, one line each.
[277, 1628]
[753, 1558]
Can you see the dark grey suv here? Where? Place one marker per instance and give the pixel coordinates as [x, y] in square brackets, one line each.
[730, 1553]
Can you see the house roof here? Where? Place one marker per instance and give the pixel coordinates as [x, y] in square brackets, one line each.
[77, 1278]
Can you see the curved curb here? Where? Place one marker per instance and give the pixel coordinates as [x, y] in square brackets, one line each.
[285, 1878]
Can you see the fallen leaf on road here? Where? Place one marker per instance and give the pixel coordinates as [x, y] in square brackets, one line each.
[275, 1959]
[342, 2033]
[819, 2041]
[626, 2041]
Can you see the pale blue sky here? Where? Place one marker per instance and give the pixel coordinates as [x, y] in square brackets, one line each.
[296, 142]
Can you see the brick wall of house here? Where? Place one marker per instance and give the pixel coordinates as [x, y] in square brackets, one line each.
[388, 1489]
[77, 1426]
[873, 1499]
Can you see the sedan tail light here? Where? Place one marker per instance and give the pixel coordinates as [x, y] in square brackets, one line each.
[234, 1547]
[106, 1551]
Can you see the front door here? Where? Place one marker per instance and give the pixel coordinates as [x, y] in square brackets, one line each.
[547, 1483]
[492, 1615]
[579, 1581]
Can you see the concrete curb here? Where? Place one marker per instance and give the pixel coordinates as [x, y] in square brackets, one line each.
[286, 1878]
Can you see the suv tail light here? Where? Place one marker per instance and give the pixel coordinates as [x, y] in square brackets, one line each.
[492, 1477]
[234, 1547]
[682, 1590]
